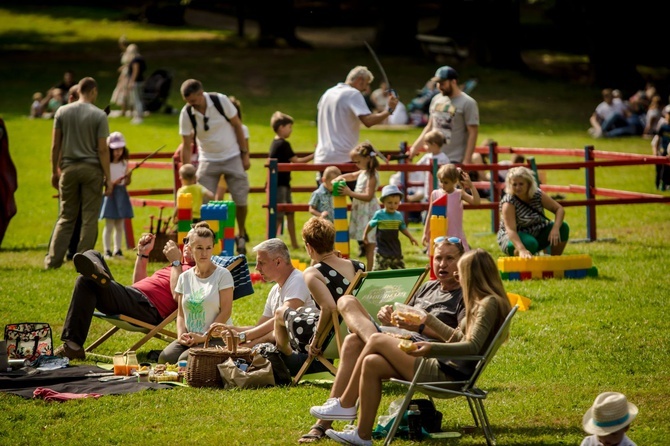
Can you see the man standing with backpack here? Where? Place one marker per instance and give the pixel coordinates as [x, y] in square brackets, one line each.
[211, 122]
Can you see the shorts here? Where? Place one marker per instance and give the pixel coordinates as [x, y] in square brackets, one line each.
[284, 196]
[209, 173]
[388, 262]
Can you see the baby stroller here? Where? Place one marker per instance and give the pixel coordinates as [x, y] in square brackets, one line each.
[156, 91]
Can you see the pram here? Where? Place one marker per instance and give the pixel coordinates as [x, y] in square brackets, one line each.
[156, 91]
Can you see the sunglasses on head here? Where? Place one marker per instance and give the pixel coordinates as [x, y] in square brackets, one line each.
[443, 239]
[206, 122]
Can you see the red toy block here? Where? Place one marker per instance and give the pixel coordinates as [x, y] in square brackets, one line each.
[229, 233]
[526, 275]
[547, 274]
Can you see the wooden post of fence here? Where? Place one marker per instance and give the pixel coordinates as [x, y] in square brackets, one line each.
[590, 184]
[403, 175]
[494, 193]
[272, 198]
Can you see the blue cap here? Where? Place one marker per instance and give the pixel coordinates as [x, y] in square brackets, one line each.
[390, 190]
[445, 73]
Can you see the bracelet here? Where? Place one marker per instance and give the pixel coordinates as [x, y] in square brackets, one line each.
[390, 110]
[421, 328]
[142, 255]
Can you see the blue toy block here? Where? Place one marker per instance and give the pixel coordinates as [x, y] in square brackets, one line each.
[439, 210]
[213, 212]
[575, 273]
[515, 275]
[341, 236]
[340, 213]
[229, 246]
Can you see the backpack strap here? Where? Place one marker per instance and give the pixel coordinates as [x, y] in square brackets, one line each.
[217, 104]
[191, 116]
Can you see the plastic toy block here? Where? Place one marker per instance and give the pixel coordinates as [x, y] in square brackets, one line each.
[184, 214]
[535, 274]
[341, 237]
[336, 187]
[229, 247]
[180, 237]
[547, 274]
[184, 225]
[341, 225]
[442, 201]
[504, 276]
[232, 213]
[575, 273]
[514, 276]
[185, 201]
[545, 263]
[340, 214]
[342, 247]
[213, 225]
[297, 264]
[526, 275]
[438, 210]
[521, 301]
[558, 274]
[214, 211]
[229, 233]
[592, 272]
[339, 202]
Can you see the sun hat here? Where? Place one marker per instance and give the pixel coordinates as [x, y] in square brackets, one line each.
[445, 73]
[390, 189]
[610, 413]
[116, 140]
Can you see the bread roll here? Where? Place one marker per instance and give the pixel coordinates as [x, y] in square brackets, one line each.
[407, 345]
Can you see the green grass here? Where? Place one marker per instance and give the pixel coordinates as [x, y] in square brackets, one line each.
[581, 337]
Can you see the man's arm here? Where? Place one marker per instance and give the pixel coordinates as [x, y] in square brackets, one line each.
[56, 147]
[144, 247]
[173, 253]
[376, 118]
[103, 154]
[473, 131]
[186, 142]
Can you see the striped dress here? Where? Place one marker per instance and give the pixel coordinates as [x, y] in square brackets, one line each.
[529, 217]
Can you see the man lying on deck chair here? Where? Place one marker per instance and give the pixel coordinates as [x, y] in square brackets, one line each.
[149, 298]
[442, 297]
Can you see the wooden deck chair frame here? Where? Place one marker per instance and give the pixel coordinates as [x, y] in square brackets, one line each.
[123, 322]
[330, 351]
[468, 389]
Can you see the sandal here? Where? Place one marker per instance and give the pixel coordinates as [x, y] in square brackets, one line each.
[310, 437]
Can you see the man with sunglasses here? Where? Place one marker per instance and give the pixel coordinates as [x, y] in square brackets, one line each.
[442, 297]
[149, 298]
[211, 121]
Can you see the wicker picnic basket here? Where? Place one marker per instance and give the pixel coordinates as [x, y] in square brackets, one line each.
[202, 361]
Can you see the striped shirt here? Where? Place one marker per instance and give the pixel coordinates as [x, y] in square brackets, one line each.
[529, 217]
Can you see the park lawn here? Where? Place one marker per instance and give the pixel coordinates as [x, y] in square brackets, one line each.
[581, 337]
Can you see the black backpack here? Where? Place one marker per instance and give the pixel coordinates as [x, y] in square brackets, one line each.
[217, 104]
[431, 418]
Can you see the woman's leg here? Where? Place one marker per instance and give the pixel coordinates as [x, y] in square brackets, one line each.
[370, 255]
[528, 241]
[118, 234]
[107, 235]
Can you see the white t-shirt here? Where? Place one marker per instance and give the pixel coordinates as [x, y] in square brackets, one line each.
[606, 111]
[117, 170]
[399, 116]
[338, 124]
[219, 143]
[200, 297]
[293, 288]
[427, 160]
[592, 440]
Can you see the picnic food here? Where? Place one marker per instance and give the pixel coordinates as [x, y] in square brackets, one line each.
[409, 318]
[407, 345]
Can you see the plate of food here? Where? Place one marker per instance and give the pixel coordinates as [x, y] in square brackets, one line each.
[408, 315]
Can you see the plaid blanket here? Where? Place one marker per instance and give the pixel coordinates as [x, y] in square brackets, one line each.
[240, 274]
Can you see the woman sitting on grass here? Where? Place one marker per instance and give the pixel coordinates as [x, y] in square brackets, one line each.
[204, 295]
[524, 229]
[486, 307]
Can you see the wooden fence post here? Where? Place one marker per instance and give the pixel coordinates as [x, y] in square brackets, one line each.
[272, 196]
[590, 183]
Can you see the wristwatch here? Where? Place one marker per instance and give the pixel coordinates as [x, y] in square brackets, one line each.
[243, 337]
[176, 263]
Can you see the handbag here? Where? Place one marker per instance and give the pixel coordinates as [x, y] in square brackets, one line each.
[202, 368]
[28, 340]
[280, 371]
[258, 374]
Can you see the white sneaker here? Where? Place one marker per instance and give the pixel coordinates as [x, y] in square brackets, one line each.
[348, 436]
[333, 410]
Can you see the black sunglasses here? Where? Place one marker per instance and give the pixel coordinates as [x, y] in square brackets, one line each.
[206, 121]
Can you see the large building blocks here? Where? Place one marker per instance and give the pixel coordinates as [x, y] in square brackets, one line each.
[340, 219]
[438, 227]
[545, 267]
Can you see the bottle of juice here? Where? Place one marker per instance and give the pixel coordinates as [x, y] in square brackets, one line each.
[132, 365]
[119, 364]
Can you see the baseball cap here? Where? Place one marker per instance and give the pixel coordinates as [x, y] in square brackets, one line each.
[390, 190]
[116, 140]
[445, 73]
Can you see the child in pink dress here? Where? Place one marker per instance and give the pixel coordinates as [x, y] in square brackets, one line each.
[451, 176]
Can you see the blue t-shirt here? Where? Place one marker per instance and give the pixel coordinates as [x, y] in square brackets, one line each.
[322, 200]
[388, 225]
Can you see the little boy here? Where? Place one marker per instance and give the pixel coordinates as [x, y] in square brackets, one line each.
[389, 222]
[608, 420]
[321, 201]
[36, 106]
[282, 124]
[197, 191]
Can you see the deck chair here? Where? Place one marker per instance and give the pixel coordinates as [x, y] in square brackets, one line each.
[373, 289]
[451, 389]
[236, 265]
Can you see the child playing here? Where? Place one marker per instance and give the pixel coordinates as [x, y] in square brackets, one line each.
[321, 201]
[116, 207]
[222, 187]
[608, 420]
[451, 176]
[36, 106]
[282, 124]
[432, 143]
[197, 191]
[389, 221]
[363, 204]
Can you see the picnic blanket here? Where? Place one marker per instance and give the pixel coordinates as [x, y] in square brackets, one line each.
[70, 379]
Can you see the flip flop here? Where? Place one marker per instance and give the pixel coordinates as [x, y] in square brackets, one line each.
[311, 438]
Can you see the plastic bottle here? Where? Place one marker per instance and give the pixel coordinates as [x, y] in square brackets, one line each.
[181, 369]
[414, 423]
[119, 364]
[132, 365]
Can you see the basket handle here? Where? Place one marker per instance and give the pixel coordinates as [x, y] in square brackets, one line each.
[225, 332]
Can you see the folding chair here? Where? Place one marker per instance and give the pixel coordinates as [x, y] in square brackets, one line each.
[373, 289]
[236, 265]
[450, 389]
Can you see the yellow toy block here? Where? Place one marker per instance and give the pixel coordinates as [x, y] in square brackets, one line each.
[438, 228]
[213, 225]
[181, 236]
[184, 201]
[342, 247]
[340, 202]
[521, 301]
[341, 225]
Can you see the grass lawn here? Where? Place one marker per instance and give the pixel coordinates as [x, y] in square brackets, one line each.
[580, 338]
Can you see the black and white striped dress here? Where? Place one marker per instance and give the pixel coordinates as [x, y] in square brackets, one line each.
[529, 217]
